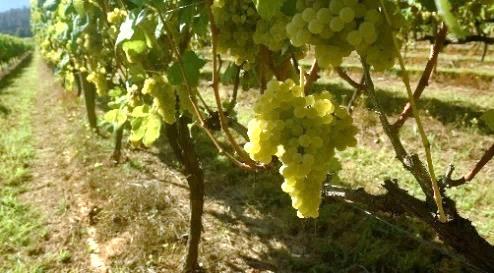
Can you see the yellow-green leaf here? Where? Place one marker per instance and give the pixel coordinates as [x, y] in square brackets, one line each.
[153, 129]
[116, 117]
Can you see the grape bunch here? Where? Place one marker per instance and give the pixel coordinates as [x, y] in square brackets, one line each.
[164, 99]
[116, 17]
[304, 133]
[98, 78]
[338, 27]
[236, 21]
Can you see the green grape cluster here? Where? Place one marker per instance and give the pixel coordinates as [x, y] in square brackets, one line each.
[116, 17]
[98, 78]
[271, 33]
[164, 98]
[304, 133]
[338, 27]
[236, 21]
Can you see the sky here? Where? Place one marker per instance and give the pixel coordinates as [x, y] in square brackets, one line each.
[10, 4]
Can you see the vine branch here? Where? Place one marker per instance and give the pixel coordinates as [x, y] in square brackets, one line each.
[425, 141]
[426, 75]
[398, 202]
[410, 162]
[311, 77]
[197, 113]
[347, 78]
[488, 155]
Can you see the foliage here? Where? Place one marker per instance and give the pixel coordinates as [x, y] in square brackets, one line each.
[156, 58]
[11, 47]
[145, 59]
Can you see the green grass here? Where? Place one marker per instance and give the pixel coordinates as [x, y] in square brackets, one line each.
[20, 225]
[445, 105]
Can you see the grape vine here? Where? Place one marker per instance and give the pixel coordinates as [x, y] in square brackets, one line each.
[148, 61]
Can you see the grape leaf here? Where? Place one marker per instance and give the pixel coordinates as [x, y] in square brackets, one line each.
[138, 130]
[63, 63]
[200, 23]
[146, 129]
[268, 8]
[136, 47]
[230, 73]
[51, 5]
[79, 25]
[140, 111]
[488, 119]
[153, 128]
[116, 117]
[128, 27]
[191, 64]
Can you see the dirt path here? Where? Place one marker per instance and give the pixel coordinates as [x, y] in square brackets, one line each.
[84, 198]
[55, 189]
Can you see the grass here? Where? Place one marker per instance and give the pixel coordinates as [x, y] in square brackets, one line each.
[462, 107]
[20, 225]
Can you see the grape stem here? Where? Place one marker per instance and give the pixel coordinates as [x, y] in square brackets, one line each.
[410, 162]
[236, 85]
[358, 91]
[425, 142]
[216, 81]
[295, 63]
[311, 77]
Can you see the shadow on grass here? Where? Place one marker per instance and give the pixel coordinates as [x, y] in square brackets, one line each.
[457, 113]
[10, 78]
[342, 239]
[447, 112]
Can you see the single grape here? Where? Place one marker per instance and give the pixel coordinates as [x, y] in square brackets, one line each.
[324, 15]
[347, 14]
[315, 26]
[308, 14]
[337, 24]
[354, 38]
[335, 6]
